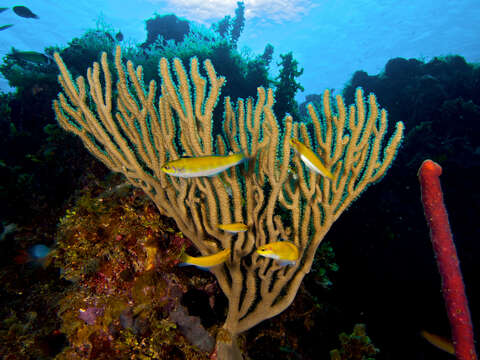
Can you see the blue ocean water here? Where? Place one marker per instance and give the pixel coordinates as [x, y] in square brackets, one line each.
[331, 39]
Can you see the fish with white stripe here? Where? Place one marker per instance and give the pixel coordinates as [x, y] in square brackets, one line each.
[310, 159]
[188, 167]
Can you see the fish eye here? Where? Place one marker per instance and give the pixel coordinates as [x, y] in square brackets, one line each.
[166, 167]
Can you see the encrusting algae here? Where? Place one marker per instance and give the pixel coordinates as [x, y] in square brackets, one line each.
[137, 136]
[122, 256]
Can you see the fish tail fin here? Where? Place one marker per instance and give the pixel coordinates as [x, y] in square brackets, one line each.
[184, 258]
[183, 264]
[329, 174]
[244, 158]
[249, 162]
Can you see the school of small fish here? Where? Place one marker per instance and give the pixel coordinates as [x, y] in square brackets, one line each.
[33, 56]
[283, 252]
[22, 11]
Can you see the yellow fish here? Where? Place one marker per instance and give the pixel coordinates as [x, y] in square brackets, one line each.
[285, 252]
[202, 165]
[206, 261]
[310, 159]
[233, 228]
[439, 341]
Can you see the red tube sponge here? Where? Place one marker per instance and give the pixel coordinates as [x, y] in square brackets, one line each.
[447, 261]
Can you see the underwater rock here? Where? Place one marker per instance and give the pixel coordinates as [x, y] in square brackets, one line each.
[192, 329]
[126, 319]
[138, 325]
[200, 303]
[90, 314]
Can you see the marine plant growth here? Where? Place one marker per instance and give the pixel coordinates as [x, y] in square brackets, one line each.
[129, 131]
[29, 150]
[126, 292]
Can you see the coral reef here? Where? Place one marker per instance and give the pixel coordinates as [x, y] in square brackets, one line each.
[39, 185]
[135, 139]
[45, 171]
[36, 174]
[356, 346]
[126, 295]
[434, 98]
